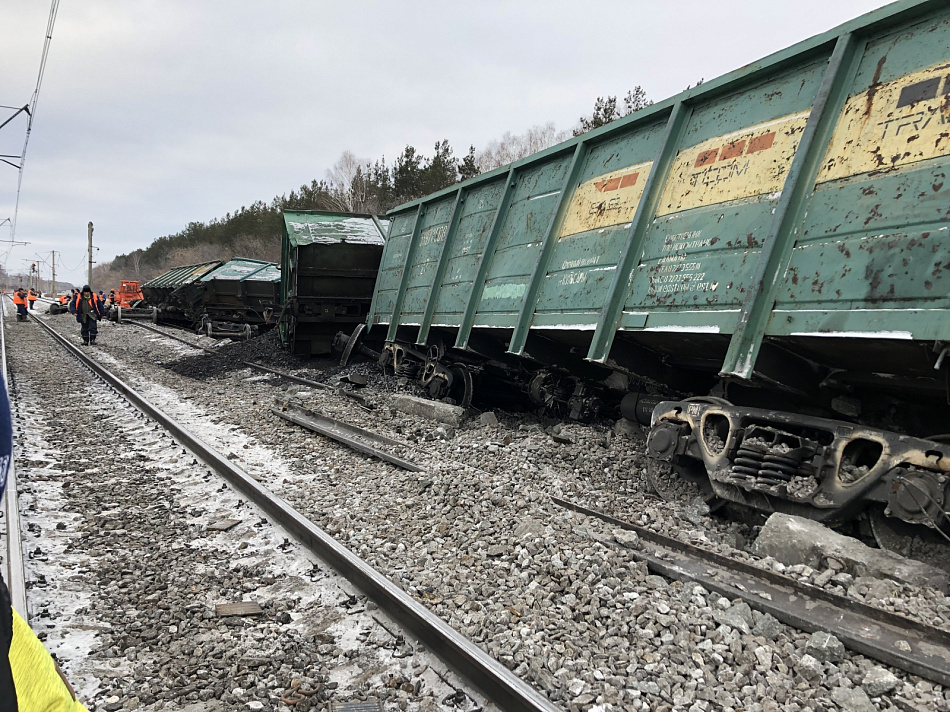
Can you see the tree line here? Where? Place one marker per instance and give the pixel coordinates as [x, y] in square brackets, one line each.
[352, 185]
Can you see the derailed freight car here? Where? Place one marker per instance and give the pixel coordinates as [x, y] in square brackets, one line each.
[767, 254]
[329, 263]
[172, 295]
[238, 299]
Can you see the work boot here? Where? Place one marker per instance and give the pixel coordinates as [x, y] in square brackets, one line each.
[92, 341]
[85, 342]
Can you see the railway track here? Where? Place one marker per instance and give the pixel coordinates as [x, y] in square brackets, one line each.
[477, 668]
[890, 638]
[341, 503]
[893, 639]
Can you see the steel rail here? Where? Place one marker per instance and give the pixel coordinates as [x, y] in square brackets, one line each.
[14, 571]
[250, 364]
[893, 639]
[473, 664]
[359, 439]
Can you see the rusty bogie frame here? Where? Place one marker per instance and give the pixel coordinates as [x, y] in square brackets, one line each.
[455, 374]
[825, 470]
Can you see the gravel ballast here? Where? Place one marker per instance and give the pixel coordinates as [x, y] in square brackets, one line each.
[556, 597]
[131, 554]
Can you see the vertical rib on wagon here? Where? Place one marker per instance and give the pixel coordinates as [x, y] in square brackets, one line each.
[633, 245]
[478, 282]
[440, 269]
[520, 336]
[757, 309]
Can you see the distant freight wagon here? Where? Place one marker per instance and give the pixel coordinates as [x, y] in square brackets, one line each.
[768, 254]
[236, 299]
[328, 268]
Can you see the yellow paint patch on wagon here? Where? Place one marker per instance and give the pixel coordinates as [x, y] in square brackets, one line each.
[607, 200]
[891, 125]
[743, 164]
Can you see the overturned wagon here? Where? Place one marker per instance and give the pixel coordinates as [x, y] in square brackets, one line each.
[328, 268]
[767, 254]
[174, 296]
[239, 298]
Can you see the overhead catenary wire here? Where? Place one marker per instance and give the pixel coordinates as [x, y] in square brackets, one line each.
[31, 110]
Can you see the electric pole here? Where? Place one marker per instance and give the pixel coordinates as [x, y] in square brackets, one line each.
[53, 288]
[90, 254]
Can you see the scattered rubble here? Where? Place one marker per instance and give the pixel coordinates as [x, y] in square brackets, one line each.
[796, 540]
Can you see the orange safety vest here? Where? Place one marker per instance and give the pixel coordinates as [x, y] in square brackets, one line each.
[18, 299]
[93, 301]
[32, 296]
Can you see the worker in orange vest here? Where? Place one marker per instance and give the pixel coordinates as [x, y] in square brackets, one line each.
[88, 313]
[32, 297]
[19, 298]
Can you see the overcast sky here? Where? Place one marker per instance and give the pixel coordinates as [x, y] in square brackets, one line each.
[156, 113]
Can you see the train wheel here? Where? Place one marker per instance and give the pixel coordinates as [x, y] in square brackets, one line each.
[674, 484]
[464, 386]
[355, 338]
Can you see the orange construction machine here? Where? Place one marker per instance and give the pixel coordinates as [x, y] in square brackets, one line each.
[129, 294]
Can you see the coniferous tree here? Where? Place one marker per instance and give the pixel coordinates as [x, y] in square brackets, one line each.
[605, 109]
[407, 176]
[468, 168]
[441, 170]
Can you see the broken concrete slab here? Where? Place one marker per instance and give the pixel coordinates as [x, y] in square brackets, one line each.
[796, 540]
[433, 410]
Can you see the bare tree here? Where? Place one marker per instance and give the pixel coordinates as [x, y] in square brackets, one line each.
[511, 147]
[347, 183]
[135, 259]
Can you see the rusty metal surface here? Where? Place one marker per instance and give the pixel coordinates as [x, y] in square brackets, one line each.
[822, 469]
[887, 637]
[359, 439]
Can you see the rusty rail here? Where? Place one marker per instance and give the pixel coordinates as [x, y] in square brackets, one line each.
[360, 439]
[890, 638]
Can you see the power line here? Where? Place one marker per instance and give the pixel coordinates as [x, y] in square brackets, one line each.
[76, 268]
[54, 8]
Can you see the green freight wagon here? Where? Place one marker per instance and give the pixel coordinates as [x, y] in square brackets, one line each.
[239, 298]
[774, 241]
[328, 268]
[170, 295]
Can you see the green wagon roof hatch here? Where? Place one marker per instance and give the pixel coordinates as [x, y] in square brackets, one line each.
[307, 227]
[242, 269]
[182, 275]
